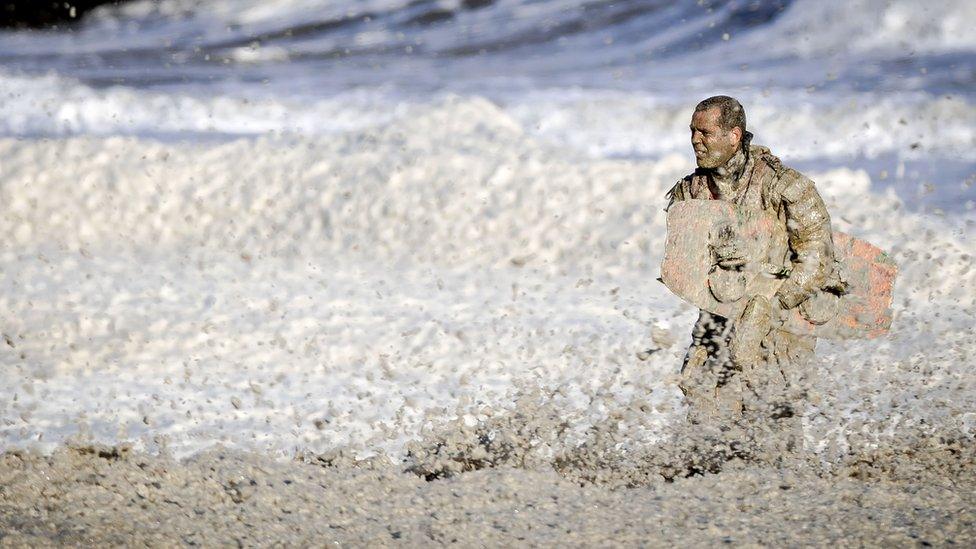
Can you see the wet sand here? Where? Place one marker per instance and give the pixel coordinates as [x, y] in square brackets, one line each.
[921, 493]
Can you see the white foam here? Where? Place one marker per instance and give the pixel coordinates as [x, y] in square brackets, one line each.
[57, 106]
[344, 291]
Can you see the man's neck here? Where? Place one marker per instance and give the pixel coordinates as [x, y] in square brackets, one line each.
[726, 176]
[732, 169]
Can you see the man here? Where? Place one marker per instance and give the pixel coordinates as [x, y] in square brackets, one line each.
[748, 365]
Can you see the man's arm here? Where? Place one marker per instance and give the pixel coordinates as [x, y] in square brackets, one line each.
[808, 226]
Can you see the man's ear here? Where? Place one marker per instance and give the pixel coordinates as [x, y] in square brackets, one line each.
[737, 132]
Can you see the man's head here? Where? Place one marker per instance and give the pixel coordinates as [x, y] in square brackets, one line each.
[717, 129]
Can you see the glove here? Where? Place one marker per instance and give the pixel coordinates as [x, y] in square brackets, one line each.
[790, 294]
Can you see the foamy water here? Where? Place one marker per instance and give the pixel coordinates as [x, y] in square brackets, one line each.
[287, 265]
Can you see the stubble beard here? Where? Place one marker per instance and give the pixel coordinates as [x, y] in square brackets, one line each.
[714, 158]
[710, 160]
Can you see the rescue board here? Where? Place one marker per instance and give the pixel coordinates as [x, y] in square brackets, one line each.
[695, 227]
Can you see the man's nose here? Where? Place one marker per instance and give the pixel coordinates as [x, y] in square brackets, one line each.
[696, 137]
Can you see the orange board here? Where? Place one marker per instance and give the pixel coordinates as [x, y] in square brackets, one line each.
[688, 270]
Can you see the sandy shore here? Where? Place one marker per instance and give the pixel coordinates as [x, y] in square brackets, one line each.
[921, 494]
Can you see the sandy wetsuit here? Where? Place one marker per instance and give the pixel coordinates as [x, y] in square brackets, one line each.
[748, 365]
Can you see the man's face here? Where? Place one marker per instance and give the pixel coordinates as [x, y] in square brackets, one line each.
[713, 145]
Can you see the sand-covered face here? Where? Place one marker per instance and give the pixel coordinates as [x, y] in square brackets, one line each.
[713, 145]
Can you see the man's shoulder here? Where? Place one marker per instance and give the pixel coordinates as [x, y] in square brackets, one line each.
[787, 184]
[684, 189]
[782, 172]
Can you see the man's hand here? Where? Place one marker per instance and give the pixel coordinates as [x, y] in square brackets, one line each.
[790, 295]
[727, 255]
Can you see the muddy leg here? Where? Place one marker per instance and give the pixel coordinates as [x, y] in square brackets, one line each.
[707, 377]
[749, 332]
[774, 394]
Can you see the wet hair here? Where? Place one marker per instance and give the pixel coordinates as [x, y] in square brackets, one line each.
[731, 113]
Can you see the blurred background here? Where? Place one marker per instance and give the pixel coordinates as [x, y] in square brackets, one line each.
[882, 84]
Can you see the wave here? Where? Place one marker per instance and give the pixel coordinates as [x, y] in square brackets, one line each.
[601, 124]
[322, 28]
[435, 44]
